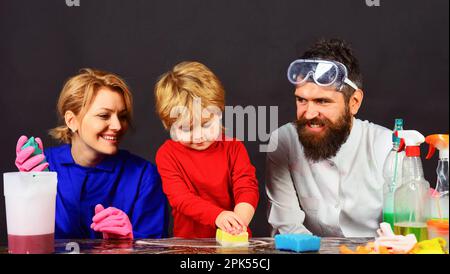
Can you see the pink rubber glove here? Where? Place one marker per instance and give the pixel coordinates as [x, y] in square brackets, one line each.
[112, 222]
[396, 243]
[23, 160]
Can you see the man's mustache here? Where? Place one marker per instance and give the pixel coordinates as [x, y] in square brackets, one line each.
[302, 122]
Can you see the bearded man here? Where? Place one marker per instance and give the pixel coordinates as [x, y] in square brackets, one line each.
[325, 175]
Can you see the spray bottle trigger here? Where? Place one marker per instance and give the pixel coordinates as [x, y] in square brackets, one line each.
[402, 145]
[431, 151]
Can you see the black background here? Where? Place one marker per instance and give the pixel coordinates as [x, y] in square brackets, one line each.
[402, 46]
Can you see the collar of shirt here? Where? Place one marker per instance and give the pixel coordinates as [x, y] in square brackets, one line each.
[108, 164]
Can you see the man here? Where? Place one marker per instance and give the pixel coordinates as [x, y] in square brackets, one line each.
[325, 176]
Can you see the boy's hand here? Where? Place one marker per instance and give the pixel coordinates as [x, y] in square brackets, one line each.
[245, 211]
[230, 222]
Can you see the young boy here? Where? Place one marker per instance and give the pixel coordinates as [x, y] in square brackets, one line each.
[207, 177]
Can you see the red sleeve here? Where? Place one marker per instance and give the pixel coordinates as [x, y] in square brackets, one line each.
[179, 195]
[245, 184]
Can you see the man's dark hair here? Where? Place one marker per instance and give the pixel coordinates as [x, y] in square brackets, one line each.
[340, 51]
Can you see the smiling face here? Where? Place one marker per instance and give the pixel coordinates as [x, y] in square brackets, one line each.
[317, 105]
[199, 134]
[324, 119]
[100, 130]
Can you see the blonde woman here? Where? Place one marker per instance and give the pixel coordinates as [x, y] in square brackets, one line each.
[102, 191]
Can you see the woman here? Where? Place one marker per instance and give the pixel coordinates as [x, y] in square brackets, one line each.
[95, 108]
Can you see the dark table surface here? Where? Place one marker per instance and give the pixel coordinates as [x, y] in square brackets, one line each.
[188, 246]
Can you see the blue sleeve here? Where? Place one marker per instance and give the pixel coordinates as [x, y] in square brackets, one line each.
[150, 213]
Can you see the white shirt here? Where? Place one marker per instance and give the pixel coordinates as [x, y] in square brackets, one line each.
[341, 196]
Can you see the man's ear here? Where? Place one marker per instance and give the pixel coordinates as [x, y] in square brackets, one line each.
[71, 121]
[356, 101]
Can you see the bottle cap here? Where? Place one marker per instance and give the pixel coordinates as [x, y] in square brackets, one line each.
[412, 139]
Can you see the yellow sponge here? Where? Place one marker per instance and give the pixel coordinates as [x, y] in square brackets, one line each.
[228, 240]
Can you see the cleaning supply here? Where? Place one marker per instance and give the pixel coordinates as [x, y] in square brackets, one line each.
[389, 243]
[397, 244]
[29, 155]
[411, 200]
[433, 246]
[438, 228]
[386, 243]
[439, 196]
[226, 239]
[297, 242]
[32, 143]
[112, 222]
[367, 249]
[30, 204]
[392, 173]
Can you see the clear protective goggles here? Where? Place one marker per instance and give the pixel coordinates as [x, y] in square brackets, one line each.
[322, 72]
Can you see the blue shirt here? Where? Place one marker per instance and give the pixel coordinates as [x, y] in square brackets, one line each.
[123, 181]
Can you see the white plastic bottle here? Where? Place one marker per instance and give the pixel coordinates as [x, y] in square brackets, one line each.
[411, 199]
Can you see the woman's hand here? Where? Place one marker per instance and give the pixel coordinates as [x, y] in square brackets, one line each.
[112, 222]
[24, 161]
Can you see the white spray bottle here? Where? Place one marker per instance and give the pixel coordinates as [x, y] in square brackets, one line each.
[439, 196]
[411, 201]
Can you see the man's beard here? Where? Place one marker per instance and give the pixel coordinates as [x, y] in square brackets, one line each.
[326, 144]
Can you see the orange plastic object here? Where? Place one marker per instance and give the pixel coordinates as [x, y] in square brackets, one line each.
[367, 249]
[438, 223]
[436, 141]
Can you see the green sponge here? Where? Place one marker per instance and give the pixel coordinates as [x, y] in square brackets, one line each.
[32, 143]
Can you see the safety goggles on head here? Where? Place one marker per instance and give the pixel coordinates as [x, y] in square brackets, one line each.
[322, 72]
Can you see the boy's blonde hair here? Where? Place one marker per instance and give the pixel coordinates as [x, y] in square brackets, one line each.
[181, 85]
[79, 92]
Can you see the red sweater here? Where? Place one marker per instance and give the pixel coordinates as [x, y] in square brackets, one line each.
[201, 184]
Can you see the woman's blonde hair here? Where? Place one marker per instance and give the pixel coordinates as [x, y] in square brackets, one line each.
[181, 85]
[79, 92]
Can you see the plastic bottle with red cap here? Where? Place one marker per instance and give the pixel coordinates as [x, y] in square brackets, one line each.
[439, 196]
[411, 199]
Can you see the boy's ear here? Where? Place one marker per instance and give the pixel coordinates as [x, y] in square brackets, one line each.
[356, 101]
[165, 125]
